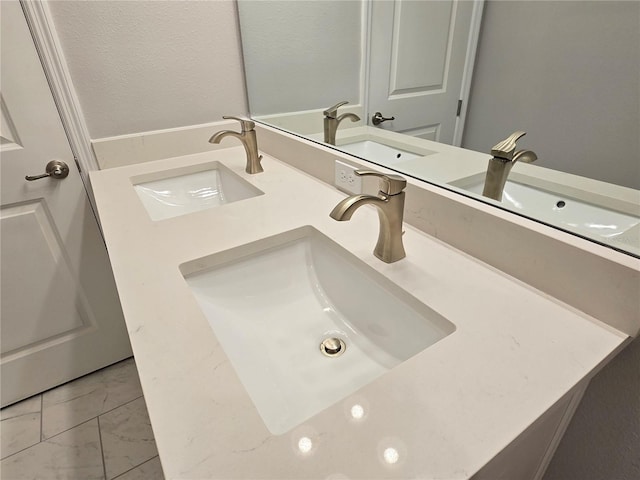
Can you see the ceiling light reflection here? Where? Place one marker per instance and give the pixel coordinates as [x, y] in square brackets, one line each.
[357, 411]
[305, 444]
[391, 455]
[597, 226]
[511, 200]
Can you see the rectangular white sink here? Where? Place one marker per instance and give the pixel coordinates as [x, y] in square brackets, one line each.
[273, 302]
[180, 191]
[566, 212]
[378, 152]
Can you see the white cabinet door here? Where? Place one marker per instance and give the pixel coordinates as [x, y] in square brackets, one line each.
[60, 314]
[417, 61]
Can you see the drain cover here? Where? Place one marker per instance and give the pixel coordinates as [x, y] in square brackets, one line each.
[333, 347]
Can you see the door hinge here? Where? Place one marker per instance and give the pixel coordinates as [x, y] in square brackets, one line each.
[459, 108]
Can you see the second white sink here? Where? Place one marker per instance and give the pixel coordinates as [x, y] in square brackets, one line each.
[561, 210]
[273, 302]
[378, 152]
[180, 191]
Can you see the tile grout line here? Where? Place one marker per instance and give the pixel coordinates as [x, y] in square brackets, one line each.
[133, 468]
[45, 440]
[77, 378]
[41, 436]
[102, 413]
[121, 405]
[104, 464]
[70, 428]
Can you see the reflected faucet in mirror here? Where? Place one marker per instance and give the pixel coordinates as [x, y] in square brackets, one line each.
[504, 158]
[332, 120]
[390, 205]
[247, 136]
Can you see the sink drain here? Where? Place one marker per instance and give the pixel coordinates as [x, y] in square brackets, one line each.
[333, 347]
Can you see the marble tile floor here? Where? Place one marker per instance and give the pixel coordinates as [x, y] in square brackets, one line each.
[94, 427]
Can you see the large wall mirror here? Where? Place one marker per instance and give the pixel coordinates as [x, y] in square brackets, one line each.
[462, 73]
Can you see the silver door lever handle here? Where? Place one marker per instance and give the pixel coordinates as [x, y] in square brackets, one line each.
[377, 118]
[55, 169]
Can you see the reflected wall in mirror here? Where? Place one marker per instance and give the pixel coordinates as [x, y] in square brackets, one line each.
[301, 55]
[468, 74]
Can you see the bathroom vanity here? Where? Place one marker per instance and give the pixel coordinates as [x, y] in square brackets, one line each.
[471, 371]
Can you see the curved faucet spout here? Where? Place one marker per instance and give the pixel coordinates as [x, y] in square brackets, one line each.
[224, 133]
[248, 139]
[351, 116]
[344, 210]
[390, 208]
[526, 156]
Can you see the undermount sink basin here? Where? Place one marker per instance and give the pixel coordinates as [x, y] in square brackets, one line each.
[180, 191]
[272, 303]
[564, 211]
[379, 152]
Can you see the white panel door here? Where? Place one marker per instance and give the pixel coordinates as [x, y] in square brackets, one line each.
[60, 314]
[417, 60]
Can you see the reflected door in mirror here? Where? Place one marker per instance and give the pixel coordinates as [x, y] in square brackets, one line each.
[417, 60]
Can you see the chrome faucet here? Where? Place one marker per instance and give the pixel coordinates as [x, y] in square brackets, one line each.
[331, 121]
[248, 138]
[504, 158]
[390, 204]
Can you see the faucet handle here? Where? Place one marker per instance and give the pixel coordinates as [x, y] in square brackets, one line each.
[331, 112]
[392, 184]
[506, 148]
[245, 123]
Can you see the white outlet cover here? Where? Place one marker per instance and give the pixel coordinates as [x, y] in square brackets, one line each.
[345, 178]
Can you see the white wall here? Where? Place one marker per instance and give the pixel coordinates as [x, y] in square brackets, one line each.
[301, 55]
[146, 65]
[568, 73]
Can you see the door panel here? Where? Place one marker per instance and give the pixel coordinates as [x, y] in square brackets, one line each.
[60, 314]
[414, 68]
[430, 132]
[9, 139]
[31, 250]
[417, 59]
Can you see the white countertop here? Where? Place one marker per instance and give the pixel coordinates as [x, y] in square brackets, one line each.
[447, 411]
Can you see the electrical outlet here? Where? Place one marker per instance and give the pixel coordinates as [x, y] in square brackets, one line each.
[346, 180]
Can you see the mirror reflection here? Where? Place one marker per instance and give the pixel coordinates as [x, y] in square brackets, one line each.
[424, 78]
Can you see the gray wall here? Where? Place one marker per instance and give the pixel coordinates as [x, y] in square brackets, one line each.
[146, 65]
[567, 73]
[301, 55]
[603, 439]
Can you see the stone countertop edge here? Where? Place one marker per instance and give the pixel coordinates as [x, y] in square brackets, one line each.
[447, 411]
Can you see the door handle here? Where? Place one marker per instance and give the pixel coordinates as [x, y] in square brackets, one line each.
[377, 118]
[54, 169]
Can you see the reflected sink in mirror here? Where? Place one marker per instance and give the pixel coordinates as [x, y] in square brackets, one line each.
[272, 303]
[379, 149]
[378, 152]
[566, 212]
[171, 193]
